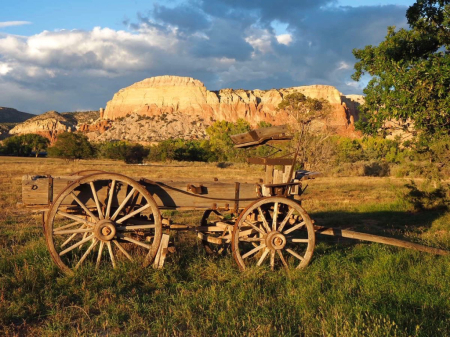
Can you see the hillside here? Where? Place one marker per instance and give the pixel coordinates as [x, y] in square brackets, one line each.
[10, 115]
[165, 107]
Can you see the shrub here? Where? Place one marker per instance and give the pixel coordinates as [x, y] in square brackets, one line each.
[135, 154]
[25, 145]
[71, 146]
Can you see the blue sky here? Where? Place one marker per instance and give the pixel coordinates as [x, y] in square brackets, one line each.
[75, 55]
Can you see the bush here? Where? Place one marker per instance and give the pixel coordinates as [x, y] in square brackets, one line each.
[25, 145]
[182, 150]
[71, 146]
[135, 154]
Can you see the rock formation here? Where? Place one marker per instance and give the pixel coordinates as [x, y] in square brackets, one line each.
[51, 123]
[9, 115]
[168, 94]
[164, 107]
[48, 125]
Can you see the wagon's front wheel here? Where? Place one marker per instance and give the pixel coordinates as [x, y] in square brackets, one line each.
[275, 232]
[102, 219]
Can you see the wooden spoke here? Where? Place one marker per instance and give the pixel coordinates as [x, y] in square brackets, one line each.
[277, 239]
[275, 216]
[76, 218]
[123, 250]
[111, 194]
[125, 228]
[76, 245]
[93, 198]
[99, 256]
[70, 238]
[111, 254]
[93, 244]
[264, 220]
[300, 240]
[55, 230]
[301, 224]
[255, 227]
[253, 251]
[76, 231]
[280, 254]
[244, 239]
[139, 243]
[301, 258]
[272, 259]
[263, 256]
[139, 210]
[83, 206]
[97, 203]
[122, 205]
[286, 218]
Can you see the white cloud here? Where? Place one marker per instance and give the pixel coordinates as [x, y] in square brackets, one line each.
[343, 65]
[13, 23]
[285, 39]
[4, 68]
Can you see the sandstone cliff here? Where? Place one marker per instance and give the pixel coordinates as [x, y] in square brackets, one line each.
[164, 107]
[168, 94]
[51, 123]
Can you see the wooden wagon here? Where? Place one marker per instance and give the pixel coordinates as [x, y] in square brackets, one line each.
[101, 218]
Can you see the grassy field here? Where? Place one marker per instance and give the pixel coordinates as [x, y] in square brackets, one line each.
[349, 289]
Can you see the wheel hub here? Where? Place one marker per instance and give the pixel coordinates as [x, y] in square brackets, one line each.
[105, 230]
[275, 240]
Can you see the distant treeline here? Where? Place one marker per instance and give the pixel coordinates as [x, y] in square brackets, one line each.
[374, 156]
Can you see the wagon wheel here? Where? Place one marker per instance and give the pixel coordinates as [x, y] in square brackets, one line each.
[103, 218]
[216, 241]
[273, 231]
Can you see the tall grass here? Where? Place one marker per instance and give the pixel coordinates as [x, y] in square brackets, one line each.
[349, 289]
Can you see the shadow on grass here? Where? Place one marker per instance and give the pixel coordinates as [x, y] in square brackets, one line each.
[393, 224]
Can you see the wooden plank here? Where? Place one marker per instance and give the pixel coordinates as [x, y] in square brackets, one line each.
[164, 196]
[162, 252]
[278, 176]
[269, 161]
[287, 170]
[268, 179]
[209, 238]
[379, 239]
[260, 136]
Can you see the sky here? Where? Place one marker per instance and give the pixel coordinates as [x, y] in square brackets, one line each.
[74, 55]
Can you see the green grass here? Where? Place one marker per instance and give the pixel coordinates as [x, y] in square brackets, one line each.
[349, 289]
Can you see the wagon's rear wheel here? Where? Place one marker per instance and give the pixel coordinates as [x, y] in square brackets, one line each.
[216, 232]
[275, 232]
[102, 219]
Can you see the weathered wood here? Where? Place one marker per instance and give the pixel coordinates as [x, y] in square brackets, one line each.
[35, 192]
[162, 252]
[379, 239]
[209, 238]
[260, 136]
[268, 179]
[287, 171]
[278, 176]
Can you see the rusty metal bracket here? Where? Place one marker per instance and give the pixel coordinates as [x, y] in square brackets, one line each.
[50, 189]
[237, 187]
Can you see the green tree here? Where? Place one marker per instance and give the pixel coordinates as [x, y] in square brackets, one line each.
[71, 146]
[410, 73]
[135, 154]
[220, 141]
[25, 145]
[304, 110]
